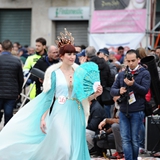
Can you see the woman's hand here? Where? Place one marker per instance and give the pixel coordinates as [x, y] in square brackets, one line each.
[43, 123]
[43, 126]
[98, 91]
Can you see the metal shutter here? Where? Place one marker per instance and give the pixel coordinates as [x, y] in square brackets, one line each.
[15, 24]
[79, 30]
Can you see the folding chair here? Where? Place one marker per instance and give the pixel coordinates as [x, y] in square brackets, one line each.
[37, 73]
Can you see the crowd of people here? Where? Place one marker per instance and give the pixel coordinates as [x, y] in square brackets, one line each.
[116, 122]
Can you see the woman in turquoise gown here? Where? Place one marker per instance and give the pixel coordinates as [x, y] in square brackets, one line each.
[36, 133]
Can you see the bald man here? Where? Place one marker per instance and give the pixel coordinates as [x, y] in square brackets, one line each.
[43, 63]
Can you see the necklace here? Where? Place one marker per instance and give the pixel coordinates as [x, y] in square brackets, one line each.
[70, 86]
[69, 78]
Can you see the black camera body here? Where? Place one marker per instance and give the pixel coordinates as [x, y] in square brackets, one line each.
[128, 75]
[124, 96]
[102, 135]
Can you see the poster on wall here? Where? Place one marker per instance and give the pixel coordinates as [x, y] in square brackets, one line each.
[117, 23]
[119, 4]
[118, 16]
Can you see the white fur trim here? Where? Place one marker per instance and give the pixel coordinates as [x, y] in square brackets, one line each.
[47, 76]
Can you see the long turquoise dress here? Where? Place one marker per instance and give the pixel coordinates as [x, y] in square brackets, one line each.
[65, 139]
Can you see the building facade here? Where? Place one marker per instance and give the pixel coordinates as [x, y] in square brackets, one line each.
[25, 21]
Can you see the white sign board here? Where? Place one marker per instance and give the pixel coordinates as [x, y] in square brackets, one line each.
[68, 13]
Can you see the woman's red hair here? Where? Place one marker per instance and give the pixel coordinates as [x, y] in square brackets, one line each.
[68, 48]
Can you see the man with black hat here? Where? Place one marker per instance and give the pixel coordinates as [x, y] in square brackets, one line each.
[104, 53]
[104, 69]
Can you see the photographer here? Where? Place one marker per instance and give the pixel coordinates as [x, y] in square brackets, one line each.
[97, 114]
[131, 85]
[114, 133]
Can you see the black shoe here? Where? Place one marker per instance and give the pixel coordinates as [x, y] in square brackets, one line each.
[92, 151]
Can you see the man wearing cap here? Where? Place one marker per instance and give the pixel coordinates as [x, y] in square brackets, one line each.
[80, 57]
[104, 53]
[104, 69]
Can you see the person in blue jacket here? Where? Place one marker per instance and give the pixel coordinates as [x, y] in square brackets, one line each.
[131, 85]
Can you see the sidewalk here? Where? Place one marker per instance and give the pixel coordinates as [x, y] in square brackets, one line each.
[141, 157]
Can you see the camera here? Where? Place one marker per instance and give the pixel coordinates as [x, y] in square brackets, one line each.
[122, 98]
[102, 135]
[128, 75]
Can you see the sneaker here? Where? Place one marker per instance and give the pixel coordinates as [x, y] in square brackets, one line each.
[117, 155]
[120, 155]
[142, 151]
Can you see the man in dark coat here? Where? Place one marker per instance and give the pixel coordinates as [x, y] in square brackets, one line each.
[132, 85]
[97, 114]
[11, 80]
[105, 73]
[43, 63]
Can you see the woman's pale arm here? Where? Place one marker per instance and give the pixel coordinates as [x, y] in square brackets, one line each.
[96, 94]
[43, 123]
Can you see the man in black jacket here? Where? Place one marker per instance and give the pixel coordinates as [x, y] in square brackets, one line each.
[43, 63]
[105, 74]
[11, 80]
[97, 114]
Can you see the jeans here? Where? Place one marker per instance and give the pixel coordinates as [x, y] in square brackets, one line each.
[142, 136]
[108, 110]
[8, 106]
[129, 128]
